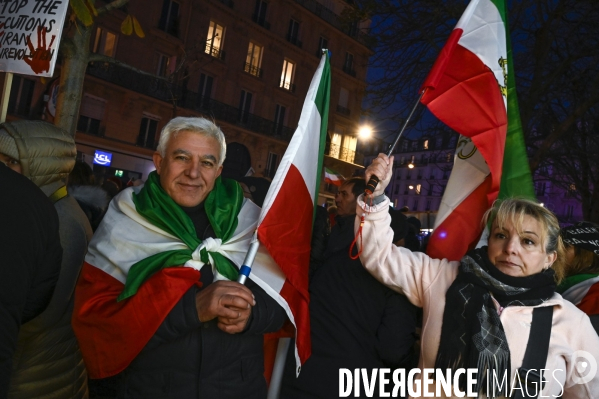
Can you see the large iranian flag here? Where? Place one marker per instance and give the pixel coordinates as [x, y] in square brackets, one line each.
[471, 88]
[285, 224]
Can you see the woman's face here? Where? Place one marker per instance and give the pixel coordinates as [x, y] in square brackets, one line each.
[516, 254]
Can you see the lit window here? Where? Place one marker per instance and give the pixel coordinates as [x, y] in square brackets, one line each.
[287, 75]
[425, 145]
[215, 39]
[253, 60]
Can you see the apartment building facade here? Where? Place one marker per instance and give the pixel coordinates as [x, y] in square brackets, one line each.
[245, 64]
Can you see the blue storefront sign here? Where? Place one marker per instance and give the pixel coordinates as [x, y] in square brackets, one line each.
[102, 158]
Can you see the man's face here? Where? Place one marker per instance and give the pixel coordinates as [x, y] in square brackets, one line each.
[345, 200]
[11, 163]
[189, 168]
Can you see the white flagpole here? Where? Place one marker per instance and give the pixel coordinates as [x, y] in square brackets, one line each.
[246, 268]
[276, 378]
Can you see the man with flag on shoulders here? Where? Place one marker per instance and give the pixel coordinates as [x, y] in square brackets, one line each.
[155, 300]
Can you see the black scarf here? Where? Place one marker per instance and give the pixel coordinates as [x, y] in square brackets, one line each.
[472, 335]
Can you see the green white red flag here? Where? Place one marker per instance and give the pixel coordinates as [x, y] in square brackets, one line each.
[332, 177]
[285, 224]
[471, 88]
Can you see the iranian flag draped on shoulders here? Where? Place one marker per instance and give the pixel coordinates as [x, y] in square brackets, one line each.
[471, 88]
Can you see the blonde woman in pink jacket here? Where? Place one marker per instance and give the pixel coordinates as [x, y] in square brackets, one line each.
[477, 312]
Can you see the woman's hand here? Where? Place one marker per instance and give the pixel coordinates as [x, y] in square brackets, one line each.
[381, 167]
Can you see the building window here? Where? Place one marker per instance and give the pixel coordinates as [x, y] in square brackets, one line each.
[287, 75]
[271, 165]
[253, 60]
[166, 65]
[396, 189]
[335, 147]
[91, 113]
[147, 132]
[428, 205]
[205, 91]
[259, 16]
[348, 151]
[415, 206]
[342, 105]
[169, 18]
[21, 95]
[279, 118]
[418, 187]
[245, 102]
[105, 43]
[215, 40]
[348, 65]
[439, 142]
[323, 44]
[425, 145]
[293, 33]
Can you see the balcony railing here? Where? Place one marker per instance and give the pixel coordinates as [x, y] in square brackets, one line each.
[253, 70]
[261, 21]
[287, 86]
[168, 92]
[342, 153]
[343, 110]
[215, 52]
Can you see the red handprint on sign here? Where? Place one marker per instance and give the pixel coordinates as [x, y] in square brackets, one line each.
[39, 58]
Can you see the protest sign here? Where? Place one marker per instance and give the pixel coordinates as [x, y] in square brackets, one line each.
[30, 35]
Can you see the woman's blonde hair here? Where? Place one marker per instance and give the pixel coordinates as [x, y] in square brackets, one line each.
[513, 210]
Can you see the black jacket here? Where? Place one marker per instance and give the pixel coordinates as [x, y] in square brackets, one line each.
[188, 359]
[355, 321]
[30, 256]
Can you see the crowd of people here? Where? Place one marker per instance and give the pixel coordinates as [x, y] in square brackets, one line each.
[104, 282]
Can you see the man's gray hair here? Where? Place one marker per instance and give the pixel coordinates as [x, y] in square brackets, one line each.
[198, 125]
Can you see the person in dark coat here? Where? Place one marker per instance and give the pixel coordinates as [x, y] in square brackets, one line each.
[30, 257]
[188, 330]
[355, 321]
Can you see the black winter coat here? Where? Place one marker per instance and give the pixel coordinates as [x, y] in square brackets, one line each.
[30, 256]
[355, 321]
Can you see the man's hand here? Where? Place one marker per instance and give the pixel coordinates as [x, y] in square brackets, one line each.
[381, 167]
[229, 302]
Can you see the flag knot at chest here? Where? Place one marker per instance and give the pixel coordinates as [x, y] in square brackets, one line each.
[222, 205]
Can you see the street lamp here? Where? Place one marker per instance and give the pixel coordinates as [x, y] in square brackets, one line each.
[365, 131]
